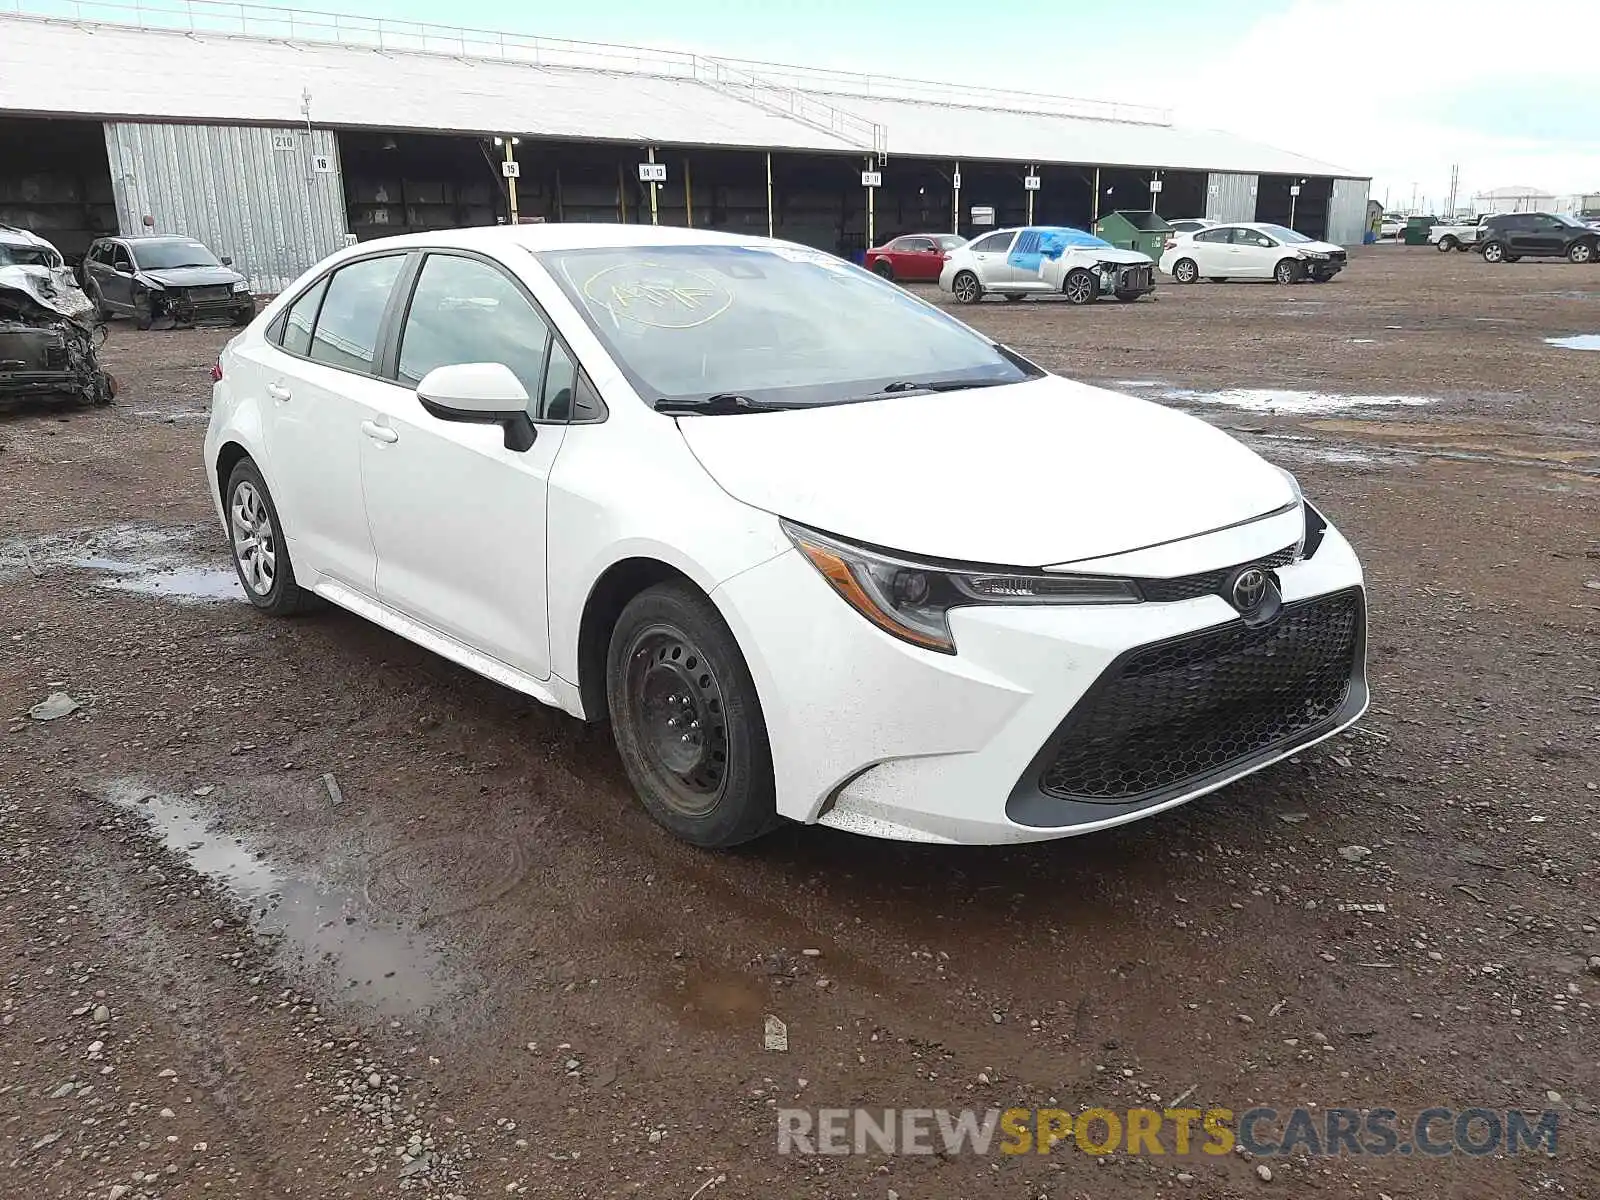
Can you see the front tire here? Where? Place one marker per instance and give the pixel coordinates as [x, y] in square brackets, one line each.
[966, 288]
[1494, 252]
[1080, 287]
[1288, 270]
[1186, 270]
[260, 555]
[1581, 252]
[144, 311]
[687, 720]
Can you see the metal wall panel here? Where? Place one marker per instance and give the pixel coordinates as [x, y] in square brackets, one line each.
[1347, 212]
[1231, 197]
[272, 198]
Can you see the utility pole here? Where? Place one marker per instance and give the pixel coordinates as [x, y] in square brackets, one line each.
[1455, 183]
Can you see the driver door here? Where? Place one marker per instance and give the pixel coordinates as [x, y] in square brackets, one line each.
[116, 284]
[457, 519]
[1254, 254]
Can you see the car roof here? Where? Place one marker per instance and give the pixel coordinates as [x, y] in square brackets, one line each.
[22, 237]
[153, 237]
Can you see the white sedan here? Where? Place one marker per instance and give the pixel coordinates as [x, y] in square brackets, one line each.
[817, 550]
[1251, 250]
[1046, 259]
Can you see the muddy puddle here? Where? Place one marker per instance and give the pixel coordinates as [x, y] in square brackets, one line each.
[314, 926]
[170, 563]
[1581, 341]
[1281, 401]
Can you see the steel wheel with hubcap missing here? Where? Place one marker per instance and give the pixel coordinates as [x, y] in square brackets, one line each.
[259, 554]
[1080, 287]
[966, 288]
[1185, 270]
[687, 723]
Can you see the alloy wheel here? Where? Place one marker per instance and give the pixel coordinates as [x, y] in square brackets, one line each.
[966, 288]
[1186, 271]
[1080, 287]
[255, 542]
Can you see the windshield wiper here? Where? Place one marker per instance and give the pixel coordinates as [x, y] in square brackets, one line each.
[936, 385]
[720, 404]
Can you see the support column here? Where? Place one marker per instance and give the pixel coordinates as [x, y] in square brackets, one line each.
[771, 223]
[688, 194]
[1030, 195]
[1094, 218]
[511, 180]
[871, 211]
[955, 201]
[655, 208]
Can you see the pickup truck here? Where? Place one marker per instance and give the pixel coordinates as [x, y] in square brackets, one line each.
[1457, 236]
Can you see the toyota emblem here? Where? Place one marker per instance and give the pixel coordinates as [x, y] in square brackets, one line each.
[1249, 588]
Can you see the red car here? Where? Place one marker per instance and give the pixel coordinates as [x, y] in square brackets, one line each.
[915, 257]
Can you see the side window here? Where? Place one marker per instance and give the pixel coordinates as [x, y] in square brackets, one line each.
[120, 256]
[917, 245]
[560, 382]
[466, 311]
[1213, 235]
[346, 334]
[995, 243]
[302, 315]
[586, 402]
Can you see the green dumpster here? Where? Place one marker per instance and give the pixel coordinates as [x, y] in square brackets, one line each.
[1145, 232]
[1416, 230]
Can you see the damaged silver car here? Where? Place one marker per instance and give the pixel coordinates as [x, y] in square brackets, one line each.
[49, 332]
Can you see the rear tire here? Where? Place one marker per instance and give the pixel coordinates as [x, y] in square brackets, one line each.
[1080, 287]
[260, 554]
[1495, 252]
[966, 288]
[884, 269]
[1186, 270]
[1447, 244]
[687, 720]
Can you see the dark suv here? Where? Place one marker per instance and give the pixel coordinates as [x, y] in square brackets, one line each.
[1511, 236]
[177, 278]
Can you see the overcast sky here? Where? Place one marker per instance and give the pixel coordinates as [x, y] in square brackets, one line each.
[1395, 90]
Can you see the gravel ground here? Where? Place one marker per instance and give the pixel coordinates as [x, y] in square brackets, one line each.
[294, 908]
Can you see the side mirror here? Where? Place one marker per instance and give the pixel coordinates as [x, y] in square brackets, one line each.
[124, 268]
[481, 394]
[227, 261]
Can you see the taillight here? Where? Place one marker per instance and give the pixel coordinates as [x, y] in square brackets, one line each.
[1169, 244]
[944, 258]
[216, 371]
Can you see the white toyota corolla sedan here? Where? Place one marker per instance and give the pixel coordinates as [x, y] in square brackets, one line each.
[816, 549]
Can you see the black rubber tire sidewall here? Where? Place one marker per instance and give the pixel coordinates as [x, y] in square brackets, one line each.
[142, 321]
[286, 597]
[748, 805]
[884, 269]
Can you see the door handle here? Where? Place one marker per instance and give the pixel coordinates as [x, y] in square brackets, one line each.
[379, 433]
[278, 392]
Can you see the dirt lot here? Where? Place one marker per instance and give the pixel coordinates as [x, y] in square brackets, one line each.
[479, 970]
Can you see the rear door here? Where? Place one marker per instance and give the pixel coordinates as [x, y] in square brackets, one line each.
[317, 372]
[457, 519]
[989, 258]
[1211, 250]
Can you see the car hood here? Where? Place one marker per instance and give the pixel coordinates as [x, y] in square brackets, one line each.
[1106, 254]
[187, 277]
[1317, 247]
[1031, 474]
[52, 288]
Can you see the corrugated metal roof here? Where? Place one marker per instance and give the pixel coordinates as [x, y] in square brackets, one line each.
[51, 67]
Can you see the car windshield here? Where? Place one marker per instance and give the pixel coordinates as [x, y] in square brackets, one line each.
[1573, 222]
[27, 256]
[164, 256]
[774, 323]
[1283, 234]
[950, 241]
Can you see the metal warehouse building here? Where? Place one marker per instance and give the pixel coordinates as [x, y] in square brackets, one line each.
[277, 136]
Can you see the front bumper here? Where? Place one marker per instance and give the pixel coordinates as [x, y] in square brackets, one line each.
[875, 736]
[203, 305]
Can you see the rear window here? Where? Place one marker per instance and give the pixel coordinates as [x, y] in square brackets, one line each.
[346, 334]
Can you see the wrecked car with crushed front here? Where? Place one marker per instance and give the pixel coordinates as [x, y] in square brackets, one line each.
[49, 338]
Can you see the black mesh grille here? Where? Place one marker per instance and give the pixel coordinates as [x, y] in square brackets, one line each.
[1207, 583]
[1193, 706]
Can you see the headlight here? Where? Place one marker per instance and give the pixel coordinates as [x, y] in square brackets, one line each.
[912, 600]
[241, 286]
